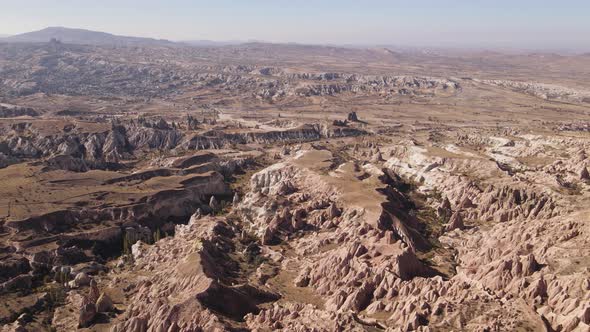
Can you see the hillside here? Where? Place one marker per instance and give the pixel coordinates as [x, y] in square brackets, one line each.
[81, 36]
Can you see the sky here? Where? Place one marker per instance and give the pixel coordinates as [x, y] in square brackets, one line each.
[526, 24]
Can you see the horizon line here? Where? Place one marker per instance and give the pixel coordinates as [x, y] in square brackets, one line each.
[448, 46]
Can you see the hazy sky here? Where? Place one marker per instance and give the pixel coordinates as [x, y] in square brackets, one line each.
[514, 23]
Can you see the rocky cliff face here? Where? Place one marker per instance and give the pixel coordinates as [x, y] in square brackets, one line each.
[198, 259]
[339, 248]
[544, 90]
[332, 84]
[83, 151]
[11, 111]
[216, 140]
[82, 239]
[290, 204]
[357, 268]
[528, 269]
[512, 198]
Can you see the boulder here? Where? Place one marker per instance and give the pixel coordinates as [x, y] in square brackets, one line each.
[377, 157]
[444, 211]
[585, 317]
[298, 219]
[94, 292]
[268, 236]
[87, 314]
[104, 303]
[333, 211]
[137, 249]
[82, 279]
[466, 203]
[213, 204]
[456, 222]
[285, 151]
[584, 175]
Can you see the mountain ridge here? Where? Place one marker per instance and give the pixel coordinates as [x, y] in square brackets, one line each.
[83, 37]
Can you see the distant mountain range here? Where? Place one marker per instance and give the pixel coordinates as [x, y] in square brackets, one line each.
[83, 37]
[89, 37]
[212, 43]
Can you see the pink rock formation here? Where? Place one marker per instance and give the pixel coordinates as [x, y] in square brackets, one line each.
[456, 222]
[332, 265]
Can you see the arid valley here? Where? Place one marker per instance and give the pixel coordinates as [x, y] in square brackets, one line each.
[147, 185]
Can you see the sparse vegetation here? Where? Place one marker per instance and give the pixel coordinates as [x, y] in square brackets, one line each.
[126, 244]
[106, 146]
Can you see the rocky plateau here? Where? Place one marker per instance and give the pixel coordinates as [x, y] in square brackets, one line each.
[155, 186]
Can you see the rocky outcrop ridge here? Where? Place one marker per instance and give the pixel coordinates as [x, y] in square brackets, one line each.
[530, 266]
[11, 111]
[88, 235]
[161, 205]
[337, 83]
[323, 261]
[351, 262]
[544, 90]
[218, 140]
[512, 199]
[79, 152]
[199, 289]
